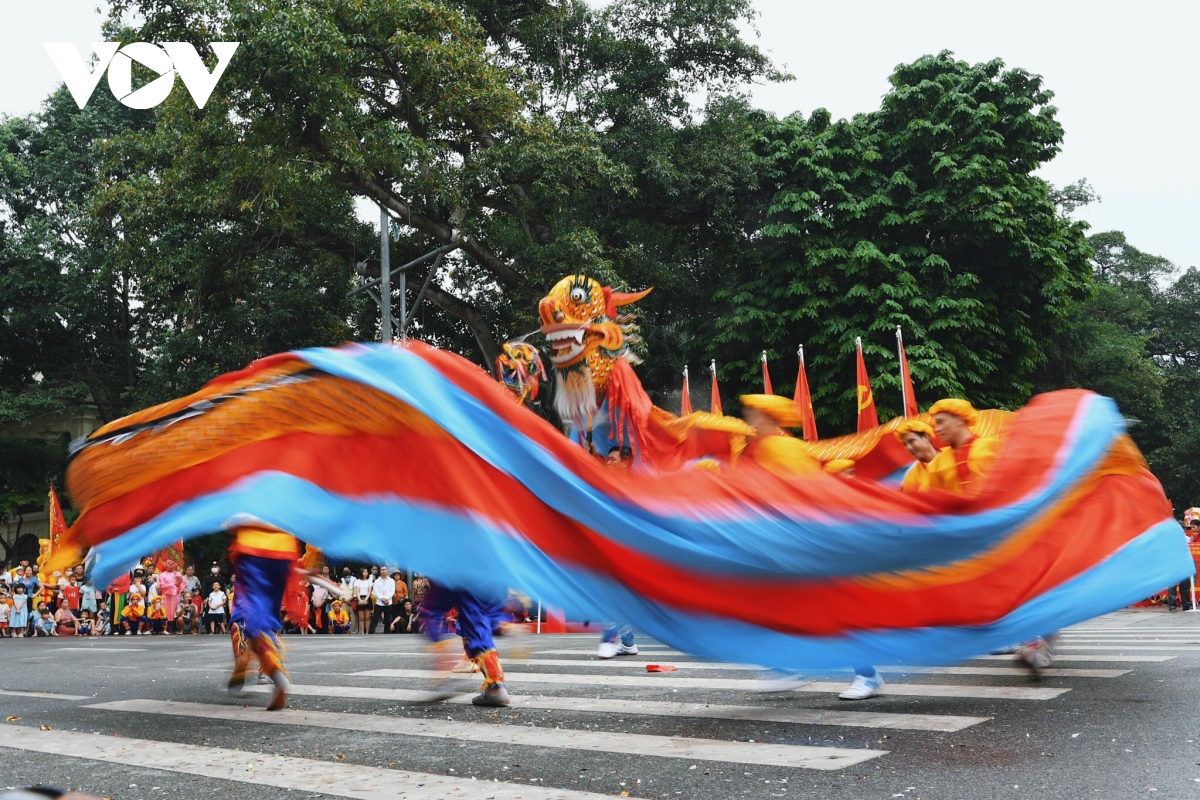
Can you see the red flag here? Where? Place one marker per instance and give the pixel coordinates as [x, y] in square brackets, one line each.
[685, 403]
[906, 387]
[803, 401]
[716, 392]
[766, 376]
[867, 418]
[58, 526]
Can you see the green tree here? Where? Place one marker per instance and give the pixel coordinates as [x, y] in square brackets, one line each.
[925, 214]
[552, 137]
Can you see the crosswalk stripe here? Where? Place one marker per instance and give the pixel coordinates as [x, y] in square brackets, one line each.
[625, 663]
[775, 755]
[693, 665]
[46, 695]
[653, 708]
[1126, 647]
[745, 685]
[264, 769]
[1069, 657]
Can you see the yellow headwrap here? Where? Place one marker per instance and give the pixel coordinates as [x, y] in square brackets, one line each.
[958, 407]
[913, 426]
[778, 408]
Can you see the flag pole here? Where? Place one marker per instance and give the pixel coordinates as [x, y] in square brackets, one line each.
[900, 358]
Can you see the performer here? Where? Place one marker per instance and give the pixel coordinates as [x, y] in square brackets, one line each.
[962, 466]
[264, 560]
[170, 585]
[917, 438]
[477, 618]
[771, 447]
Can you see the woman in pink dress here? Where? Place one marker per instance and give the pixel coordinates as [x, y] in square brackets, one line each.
[170, 585]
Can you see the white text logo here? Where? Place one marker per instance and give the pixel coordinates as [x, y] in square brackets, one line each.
[166, 59]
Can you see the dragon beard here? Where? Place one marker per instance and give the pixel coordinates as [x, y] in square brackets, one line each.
[575, 398]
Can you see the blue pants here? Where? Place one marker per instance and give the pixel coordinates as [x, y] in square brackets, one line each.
[477, 617]
[867, 671]
[614, 631]
[258, 593]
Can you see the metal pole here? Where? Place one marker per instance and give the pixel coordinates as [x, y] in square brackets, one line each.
[385, 274]
[403, 304]
[900, 358]
[539, 617]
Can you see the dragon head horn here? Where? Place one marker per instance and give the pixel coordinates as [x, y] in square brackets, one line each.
[614, 300]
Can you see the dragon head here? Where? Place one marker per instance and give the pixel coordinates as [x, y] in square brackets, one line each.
[519, 368]
[586, 336]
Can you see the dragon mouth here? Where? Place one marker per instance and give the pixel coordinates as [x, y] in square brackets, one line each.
[567, 342]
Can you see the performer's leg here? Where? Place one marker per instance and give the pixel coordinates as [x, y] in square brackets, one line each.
[475, 618]
[242, 656]
[867, 683]
[617, 640]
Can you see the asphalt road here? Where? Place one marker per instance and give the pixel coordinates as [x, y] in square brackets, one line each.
[147, 717]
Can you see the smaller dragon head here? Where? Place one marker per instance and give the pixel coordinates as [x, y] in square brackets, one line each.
[519, 368]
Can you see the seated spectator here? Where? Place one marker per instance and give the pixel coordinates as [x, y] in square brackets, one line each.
[65, 621]
[132, 615]
[406, 620]
[86, 622]
[185, 622]
[102, 626]
[44, 624]
[339, 618]
[156, 617]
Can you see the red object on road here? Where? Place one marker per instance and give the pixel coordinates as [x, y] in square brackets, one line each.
[661, 668]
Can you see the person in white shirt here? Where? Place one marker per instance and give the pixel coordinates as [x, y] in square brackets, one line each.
[215, 607]
[384, 592]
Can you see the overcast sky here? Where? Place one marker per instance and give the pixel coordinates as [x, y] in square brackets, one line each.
[1125, 77]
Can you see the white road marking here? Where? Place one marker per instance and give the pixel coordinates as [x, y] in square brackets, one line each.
[775, 755]
[1066, 657]
[47, 695]
[1125, 647]
[83, 648]
[653, 708]
[263, 769]
[746, 685]
[625, 663]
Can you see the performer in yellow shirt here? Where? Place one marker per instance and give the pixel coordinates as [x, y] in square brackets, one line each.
[962, 466]
[264, 559]
[917, 438]
[771, 447]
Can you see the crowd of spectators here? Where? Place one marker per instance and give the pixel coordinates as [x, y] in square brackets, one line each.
[160, 600]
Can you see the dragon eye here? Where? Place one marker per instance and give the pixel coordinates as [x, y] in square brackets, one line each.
[579, 295]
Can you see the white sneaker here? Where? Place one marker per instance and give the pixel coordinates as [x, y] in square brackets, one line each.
[608, 649]
[785, 683]
[166, 633]
[863, 687]
[627, 649]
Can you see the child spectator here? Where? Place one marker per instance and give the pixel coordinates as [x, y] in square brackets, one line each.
[156, 617]
[71, 595]
[216, 609]
[44, 625]
[102, 628]
[6, 605]
[88, 600]
[339, 618]
[48, 594]
[320, 600]
[198, 602]
[18, 619]
[132, 614]
[85, 623]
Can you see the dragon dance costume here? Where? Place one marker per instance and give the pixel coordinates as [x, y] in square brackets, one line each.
[828, 571]
[264, 560]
